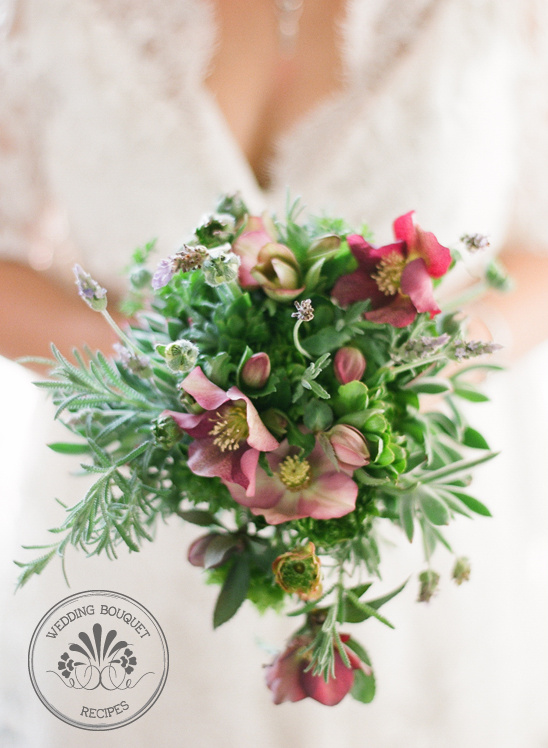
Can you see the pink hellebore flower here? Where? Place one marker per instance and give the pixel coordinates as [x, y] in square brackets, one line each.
[288, 681]
[397, 277]
[258, 232]
[228, 437]
[311, 487]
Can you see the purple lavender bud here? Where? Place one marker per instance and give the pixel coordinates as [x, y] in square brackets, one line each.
[89, 290]
[475, 242]
[136, 364]
[163, 274]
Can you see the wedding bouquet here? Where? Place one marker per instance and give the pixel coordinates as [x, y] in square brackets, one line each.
[269, 388]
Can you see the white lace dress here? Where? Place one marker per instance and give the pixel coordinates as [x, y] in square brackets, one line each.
[108, 138]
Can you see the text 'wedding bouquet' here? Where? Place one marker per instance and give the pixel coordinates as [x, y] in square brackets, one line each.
[269, 389]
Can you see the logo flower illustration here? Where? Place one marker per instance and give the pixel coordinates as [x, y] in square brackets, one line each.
[102, 662]
[66, 665]
[127, 660]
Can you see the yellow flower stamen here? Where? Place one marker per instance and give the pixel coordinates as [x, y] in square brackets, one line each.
[295, 473]
[231, 428]
[388, 275]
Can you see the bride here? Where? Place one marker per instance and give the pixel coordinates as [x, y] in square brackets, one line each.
[124, 120]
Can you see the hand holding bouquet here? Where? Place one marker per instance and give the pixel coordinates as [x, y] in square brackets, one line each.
[269, 390]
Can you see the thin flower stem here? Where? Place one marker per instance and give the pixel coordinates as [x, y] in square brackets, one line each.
[130, 344]
[296, 341]
[414, 364]
[471, 294]
[228, 292]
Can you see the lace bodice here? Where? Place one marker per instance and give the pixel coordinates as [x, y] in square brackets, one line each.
[108, 136]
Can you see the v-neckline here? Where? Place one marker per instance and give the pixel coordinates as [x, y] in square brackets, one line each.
[310, 115]
[363, 65]
[381, 18]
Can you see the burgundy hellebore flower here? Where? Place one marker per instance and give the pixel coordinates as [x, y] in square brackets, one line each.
[311, 487]
[288, 681]
[228, 437]
[397, 277]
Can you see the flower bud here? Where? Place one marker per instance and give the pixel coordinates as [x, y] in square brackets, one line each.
[233, 204]
[461, 570]
[166, 431]
[349, 364]
[475, 242]
[324, 246]
[221, 266]
[298, 572]
[136, 364]
[89, 290]
[256, 370]
[277, 272]
[349, 446]
[429, 581]
[275, 421]
[212, 550]
[216, 229]
[140, 277]
[180, 356]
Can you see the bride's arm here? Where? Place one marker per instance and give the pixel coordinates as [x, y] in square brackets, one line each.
[35, 310]
[521, 314]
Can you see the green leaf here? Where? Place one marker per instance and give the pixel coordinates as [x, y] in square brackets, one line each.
[443, 423]
[317, 389]
[126, 538]
[217, 550]
[352, 397]
[363, 610]
[468, 392]
[430, 386]
[65, 448]
[312, 276]
[473, 438]
[380, 601]
[454, 469]
[376, 423]
[233, 592]
[328, 339]
[200, 517]
[472, 367]
[363, 477]
[296, 438]
[348, 612]
[435, 510]
[473, 504]
[363, 688]
[407, 516]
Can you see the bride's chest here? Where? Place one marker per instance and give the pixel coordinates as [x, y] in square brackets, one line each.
[146, 150]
